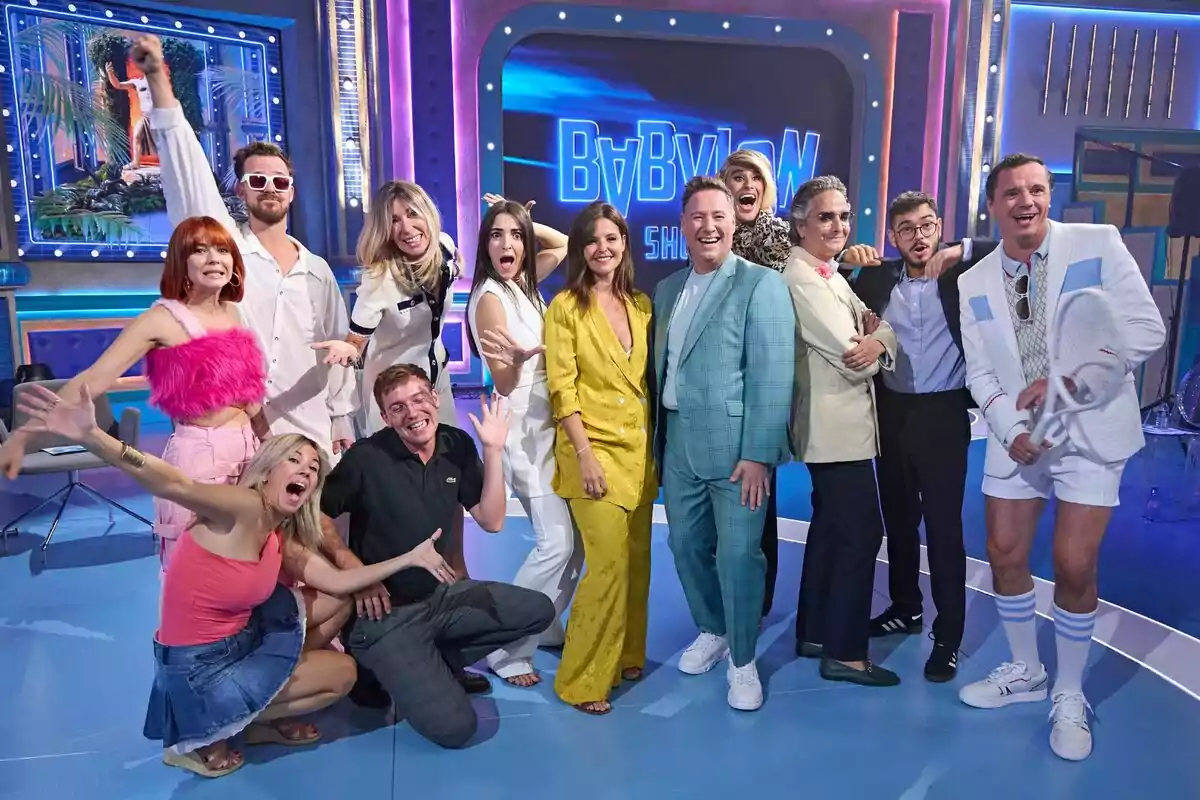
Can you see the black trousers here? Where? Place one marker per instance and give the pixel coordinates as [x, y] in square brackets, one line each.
[416, 650]
[922, 468]
[770, 543]
[838, 577]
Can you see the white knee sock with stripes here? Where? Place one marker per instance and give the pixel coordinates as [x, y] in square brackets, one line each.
[1073, 637]
[1018, 614]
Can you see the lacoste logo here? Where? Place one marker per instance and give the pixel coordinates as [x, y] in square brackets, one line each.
[452, 479]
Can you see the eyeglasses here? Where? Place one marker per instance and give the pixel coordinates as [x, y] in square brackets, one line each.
[826, 217]
[418, 399]
[258, 181]
[909, 232]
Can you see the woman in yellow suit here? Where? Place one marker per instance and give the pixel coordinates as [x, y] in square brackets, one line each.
[596, 336]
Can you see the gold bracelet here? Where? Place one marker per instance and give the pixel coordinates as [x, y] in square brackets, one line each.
[132, 456]
[583, 450]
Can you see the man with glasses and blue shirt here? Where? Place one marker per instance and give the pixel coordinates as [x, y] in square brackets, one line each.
[924, 425]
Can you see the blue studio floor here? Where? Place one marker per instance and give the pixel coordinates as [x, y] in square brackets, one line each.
[75, 667]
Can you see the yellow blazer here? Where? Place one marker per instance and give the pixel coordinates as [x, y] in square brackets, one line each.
[588, 372]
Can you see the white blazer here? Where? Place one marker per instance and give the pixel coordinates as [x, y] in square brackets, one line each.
[1081, 256]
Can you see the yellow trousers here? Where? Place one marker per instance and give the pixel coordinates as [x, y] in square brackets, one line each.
[606, 631]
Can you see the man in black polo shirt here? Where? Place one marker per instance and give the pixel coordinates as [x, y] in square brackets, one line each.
[399, 486]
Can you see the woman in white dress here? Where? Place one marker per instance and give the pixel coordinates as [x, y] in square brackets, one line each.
[504, 317]
[408, 268]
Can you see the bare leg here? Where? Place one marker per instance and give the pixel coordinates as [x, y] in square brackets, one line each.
[326, 615]
[1078, 532]
[321, 679]
[1010, 528]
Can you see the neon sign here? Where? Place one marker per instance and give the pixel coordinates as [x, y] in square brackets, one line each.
[654, 165]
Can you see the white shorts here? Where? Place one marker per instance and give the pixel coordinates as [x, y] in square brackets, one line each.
[1066, 474]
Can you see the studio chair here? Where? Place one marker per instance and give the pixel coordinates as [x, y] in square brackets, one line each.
[40, 462]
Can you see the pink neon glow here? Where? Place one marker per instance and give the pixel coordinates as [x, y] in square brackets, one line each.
[400, 80]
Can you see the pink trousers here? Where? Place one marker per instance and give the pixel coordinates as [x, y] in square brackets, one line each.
[207, 455]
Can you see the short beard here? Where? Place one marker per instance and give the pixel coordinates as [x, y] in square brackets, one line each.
[267, 217]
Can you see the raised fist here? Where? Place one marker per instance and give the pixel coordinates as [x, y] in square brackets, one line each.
[147, 53]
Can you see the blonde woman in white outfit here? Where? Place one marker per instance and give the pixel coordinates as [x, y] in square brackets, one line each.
[409, 266]
[504, 316]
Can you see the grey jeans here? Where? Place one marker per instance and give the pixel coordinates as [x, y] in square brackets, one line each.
[416, 650]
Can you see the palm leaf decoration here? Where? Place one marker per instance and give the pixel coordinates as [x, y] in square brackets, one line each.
[50, 101]
[50, 104]
[60, 213]
[241, 91]
[51, 37]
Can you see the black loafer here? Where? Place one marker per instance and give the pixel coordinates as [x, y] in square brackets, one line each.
[871, 676]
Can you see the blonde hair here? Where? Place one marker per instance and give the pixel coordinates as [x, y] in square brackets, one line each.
[754, 160]
[305, 524]
[378, 253]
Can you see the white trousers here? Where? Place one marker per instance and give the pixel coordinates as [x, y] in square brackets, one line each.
[552, 568]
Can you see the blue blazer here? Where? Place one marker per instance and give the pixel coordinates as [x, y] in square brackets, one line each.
[735, 371]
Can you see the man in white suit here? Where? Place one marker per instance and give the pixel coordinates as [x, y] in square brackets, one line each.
[1008, 302]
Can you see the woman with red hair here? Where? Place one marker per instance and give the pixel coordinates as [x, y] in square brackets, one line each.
[205, 370]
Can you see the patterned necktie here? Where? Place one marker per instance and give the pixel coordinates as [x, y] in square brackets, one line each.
[824, 270]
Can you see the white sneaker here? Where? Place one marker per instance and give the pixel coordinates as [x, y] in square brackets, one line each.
[703, 654]
[1070, 734]
[745, 689]
[1011, 682]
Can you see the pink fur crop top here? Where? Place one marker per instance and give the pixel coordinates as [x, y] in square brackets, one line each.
[207, 373]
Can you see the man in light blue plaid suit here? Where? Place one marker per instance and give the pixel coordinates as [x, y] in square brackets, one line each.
[724, 357]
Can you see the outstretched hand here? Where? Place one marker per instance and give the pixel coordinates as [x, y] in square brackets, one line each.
[48, 413]
[498, 344]
[426, 556]
[340, 352]
[493, 427]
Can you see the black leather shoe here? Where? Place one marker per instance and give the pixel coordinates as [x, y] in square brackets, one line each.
[474, 683]
[942, 665]
[871, 676]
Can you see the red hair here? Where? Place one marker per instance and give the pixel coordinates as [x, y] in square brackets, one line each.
[190, 234]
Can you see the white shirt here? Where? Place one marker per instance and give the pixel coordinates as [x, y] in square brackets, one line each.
[286, 312]
[681, 319]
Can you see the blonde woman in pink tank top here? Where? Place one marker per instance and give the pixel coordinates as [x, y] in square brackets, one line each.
[230, 650]
[207, 372]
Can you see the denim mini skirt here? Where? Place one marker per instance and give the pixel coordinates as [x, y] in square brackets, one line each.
[206, 693]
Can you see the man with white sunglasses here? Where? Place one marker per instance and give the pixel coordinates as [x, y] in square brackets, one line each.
[291, 298]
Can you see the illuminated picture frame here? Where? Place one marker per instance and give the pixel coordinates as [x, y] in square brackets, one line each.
[40, 106]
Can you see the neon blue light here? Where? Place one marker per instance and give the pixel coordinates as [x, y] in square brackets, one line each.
[97, 314]
[652, 166]
[530, 162]
[1129, 13]
[664, 243]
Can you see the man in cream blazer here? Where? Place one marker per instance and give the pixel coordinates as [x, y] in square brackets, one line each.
[833, 407]
[1008, 301]
[840, 346]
